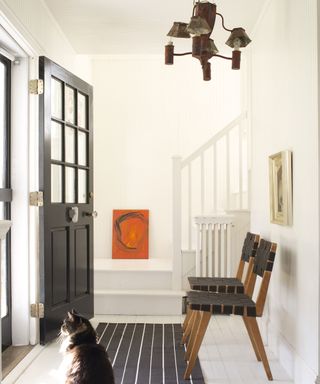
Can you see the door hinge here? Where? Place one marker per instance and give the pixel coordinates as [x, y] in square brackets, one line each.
[36, 87]
[36, 198]
[37, 310]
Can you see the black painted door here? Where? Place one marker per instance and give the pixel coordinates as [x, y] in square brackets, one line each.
[66, 179]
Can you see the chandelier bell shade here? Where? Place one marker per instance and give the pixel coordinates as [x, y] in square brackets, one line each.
[200, 29]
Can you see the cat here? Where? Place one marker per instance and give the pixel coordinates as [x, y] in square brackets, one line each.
[85, 361]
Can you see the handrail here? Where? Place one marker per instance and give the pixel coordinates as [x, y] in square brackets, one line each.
[213, 140]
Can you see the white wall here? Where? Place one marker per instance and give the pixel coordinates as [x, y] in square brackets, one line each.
[284, 116]
[35, 22]
[146, 112]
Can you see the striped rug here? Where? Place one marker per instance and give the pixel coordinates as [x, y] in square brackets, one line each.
[146, 353]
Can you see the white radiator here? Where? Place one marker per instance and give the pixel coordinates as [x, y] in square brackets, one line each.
[213, 249]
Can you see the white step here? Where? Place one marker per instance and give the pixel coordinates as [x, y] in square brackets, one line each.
[138, 302]
[151, 274]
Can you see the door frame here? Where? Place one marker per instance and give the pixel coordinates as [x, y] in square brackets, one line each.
[24, 177]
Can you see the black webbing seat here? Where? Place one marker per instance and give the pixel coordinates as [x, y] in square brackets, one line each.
[230, 284]
[222, 304]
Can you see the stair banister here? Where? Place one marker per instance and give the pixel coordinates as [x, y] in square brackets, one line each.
[187, 163]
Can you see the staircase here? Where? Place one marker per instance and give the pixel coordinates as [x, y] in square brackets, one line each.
[212, 181]
[135, 287]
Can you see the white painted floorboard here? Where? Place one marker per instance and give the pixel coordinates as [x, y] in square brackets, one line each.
[226, 355]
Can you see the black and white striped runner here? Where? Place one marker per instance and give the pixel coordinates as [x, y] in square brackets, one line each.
[146, 353]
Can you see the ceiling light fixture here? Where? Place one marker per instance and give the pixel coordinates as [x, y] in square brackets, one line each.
[200, 29]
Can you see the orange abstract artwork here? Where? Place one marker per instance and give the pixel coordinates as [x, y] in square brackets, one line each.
[130, 234]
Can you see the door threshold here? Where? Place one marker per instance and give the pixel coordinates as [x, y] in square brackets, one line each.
[19, 360]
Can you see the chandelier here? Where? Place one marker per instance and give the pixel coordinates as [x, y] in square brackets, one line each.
[200, 29]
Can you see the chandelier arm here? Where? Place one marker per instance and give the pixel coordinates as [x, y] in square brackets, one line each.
[223, 57]
[194, 7]
[182, 54]
[222, 20]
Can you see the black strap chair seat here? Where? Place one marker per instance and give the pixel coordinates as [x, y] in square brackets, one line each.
[222, 303]
[216, 284]
[230, 284]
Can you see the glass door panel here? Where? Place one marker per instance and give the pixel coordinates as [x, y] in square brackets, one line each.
[82, 111]
[56, 141]
[3, 129]
[56, 98]
[56, 183]
[70, 185]
[82, 190]
[82, 148]
[5, 197]
[70, 105]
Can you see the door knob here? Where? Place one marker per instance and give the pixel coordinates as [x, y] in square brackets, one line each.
[93, 214]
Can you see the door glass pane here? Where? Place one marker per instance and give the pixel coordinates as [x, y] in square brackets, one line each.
[3, 146]
[4, 282]
[70, 105]
[70, 185]
[56, 98]
[82, 148]
[82, 185]
[56, 141]
[4, 276]
[56, 183]
[82, 111]
[70, 145]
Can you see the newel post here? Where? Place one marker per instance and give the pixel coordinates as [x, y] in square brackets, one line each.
[4, 228]
[176, 224]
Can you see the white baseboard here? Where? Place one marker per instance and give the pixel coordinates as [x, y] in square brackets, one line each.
[294, 365]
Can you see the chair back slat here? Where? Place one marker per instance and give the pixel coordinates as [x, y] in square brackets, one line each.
[250, 246]
[265, 267]
[264, 258]
[248, 252]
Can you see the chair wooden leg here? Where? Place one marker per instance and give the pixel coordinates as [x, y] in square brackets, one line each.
[187, 319]
[202, 327]
[189, 344]
[188, 330]
[256, 351]
[252, 323]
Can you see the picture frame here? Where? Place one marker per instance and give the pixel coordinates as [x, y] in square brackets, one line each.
[280, 183]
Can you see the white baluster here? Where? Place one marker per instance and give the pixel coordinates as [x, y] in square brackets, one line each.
[228, 258]
[189, 207]
[228, 171]
[222, 251]
[204, 250]
[240, 166]
[176, 219]
[202, 183]
[210, 254]
[216, 250]
[198, 262]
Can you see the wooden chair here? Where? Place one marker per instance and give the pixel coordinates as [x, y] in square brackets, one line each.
[226, 284]
[203, 304]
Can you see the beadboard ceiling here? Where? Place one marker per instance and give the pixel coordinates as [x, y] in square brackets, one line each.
[139, 27]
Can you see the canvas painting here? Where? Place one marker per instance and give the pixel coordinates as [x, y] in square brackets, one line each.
[130, 234]
[280, 169]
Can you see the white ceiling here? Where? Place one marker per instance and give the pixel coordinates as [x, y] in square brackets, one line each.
[140, 26]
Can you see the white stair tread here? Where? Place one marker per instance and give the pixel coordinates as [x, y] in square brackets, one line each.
[159, 265]
[140, 292]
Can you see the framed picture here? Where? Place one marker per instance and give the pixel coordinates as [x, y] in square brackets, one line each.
[280, 171]
[130, 234]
